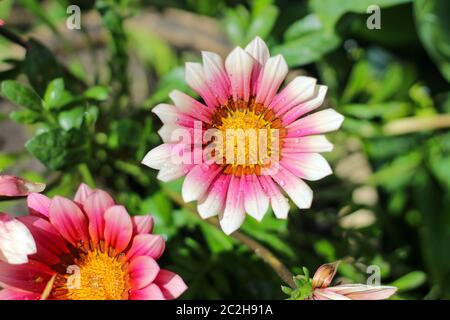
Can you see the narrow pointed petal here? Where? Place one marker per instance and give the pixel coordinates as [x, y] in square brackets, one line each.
[364, 292]
[32, 276]
[316, 123]
[170, 171]
[11, 186]
[171, 284]
[156, 157]
[278, 202]
[196, 79]
[142, 224]
[82, 193]
[70, 221]
[95, 206]
[118, 228]
[151, 292]
[198, 181]
[257, 48]
[16, 294]
[308, 166]
[296, 92]
[326, 294]
[214, 200]
[297, 190]
[142, 270]
[190, 106]
[16, 241]
[234, 213]
[216, 76]
[256, 202]
[38, 205]
[272, 75]
[308, 144]
[307, 106]
[146, 245]
[239, 65]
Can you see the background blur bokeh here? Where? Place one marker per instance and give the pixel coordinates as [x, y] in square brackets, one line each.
[388, 203]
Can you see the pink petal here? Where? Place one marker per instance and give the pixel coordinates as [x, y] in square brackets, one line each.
[147, 245]
[297, 190]
[198, 180]
[170, 115]
[302, 108]
[49, 243]
[11, 186]
[316, 123]
[296, 92]
[278, 202]
[32, 276]
[170, 171]
[83, 192]
[324, 275]
[234, 214]
[142, 270]
[16, 241]
[195, 77]
[239, 65]
[190, 106]
[118, 228]
[16, 294]
[216, 76]
[258, 50]
[214, 200]
[363, 292]
[69, 220]
[270, 79]
[150, 292]
[326, 294]
[307, 144]
[171, 284]
[308, 166]
[95, 206]
[256, 201]
[38, 205]
[142, 224]
[158, 156]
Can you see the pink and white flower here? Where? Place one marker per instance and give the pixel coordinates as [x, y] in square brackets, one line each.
[11, 186]
[243, 93]
[89, 248]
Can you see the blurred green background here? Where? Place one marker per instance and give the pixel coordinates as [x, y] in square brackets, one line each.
[388, 203]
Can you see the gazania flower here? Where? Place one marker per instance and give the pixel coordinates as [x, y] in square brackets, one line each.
[242, 94]
[318, 288]
[16, 242]
[89, 249]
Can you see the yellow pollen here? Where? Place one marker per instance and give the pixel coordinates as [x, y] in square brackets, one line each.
[97, 276]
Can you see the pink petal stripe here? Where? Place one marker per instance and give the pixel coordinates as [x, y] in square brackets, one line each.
[32, 276]
[256, 201]
[82, 193]
[363, 292]
[190, 106]
[142, 224]
[142, 271]
[147, 245]
[239, 65]
[69, 220]
[38, 205]
[270, 79]
[307, 144]
[308, 166]
[196, 79]
[150, 292]
[11, 186]
[16, 294]
[118, 228]
[214, 200]
[299, 110]
[198, 181]
[170, 171]
[326, 294]
[171, 284]
[316, 123]
[95, 206]
[234, 214]
[278, 202]
[50, 245]
[297, 91]
[169, 114]
[297, 190]
[216, 76]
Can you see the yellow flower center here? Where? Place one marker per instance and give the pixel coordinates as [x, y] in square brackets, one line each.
[95, 276]
[251, 134]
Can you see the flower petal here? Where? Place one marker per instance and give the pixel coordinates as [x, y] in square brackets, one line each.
[146, 245]
[297, 91]
[313, 103]
[118, 228]
[272, 75]
[257, 48]
[278, 202]
[318, 143]
[198, 180]
[234, 214]
[38, 205]
[142, 271]
[69, 220]
[150, 292]
[216, 76]
[196, 79]
[308, 166]
[239, 65]
[32, 276]
[142, 224]
[171, 284]
[190, 106]
[11, 186]
[256, 202]
[95, 206]
[214, 200]
[324, 275]
[156, 157]
[326, 294]
[16, 294]
[82, 193]
[363, 292]
[16, 241]
[297, 190]
[316, 123]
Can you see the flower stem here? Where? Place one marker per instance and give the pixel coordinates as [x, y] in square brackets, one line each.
[416, 124]
[260, 250]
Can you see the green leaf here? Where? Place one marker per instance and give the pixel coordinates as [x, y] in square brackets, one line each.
[53, 94]
[433, 24]
[263, 20]
[72, 118]
[58, 149]
[410, 281]
[21, 95]
[301, 27]
[98, 93]
[25, 116]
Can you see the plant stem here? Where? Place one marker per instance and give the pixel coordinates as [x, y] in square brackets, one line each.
[86, 175]
[260, 250]
[416, 124]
